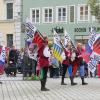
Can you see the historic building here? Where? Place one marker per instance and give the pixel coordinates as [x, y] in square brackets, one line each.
[10, 23]
[72, 15]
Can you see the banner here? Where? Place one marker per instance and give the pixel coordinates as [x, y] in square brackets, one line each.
[2, 60]
[95, 56]
[92, 65]
[38, 39]
[3, 55]
[67, 38]
[92, 51]
[93, 39]
[57, 48]
[30, 31]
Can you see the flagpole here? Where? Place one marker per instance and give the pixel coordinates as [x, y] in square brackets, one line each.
[40, 35]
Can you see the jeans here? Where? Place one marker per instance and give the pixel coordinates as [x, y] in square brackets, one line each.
[70, 72]
[82, 70]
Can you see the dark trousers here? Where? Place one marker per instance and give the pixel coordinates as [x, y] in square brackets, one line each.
[27, 71]
[34, 64]
[44, 76]
[55, 72]
[44, 73]
[51, 71]
[64, 69]
[9, 70]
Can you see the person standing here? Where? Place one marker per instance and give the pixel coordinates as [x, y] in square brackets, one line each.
[71, 57]
[67, 64]
[81, 63]
[33, 52]
[13, 56]
[26, 65]
[43, 56]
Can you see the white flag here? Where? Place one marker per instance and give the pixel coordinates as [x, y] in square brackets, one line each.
[3, 55]
[92, 32]
[57, 38]
[66, 38]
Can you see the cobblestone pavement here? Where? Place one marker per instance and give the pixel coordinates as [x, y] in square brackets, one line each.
[17, 89]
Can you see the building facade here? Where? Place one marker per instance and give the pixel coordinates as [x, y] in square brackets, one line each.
[72, 15]
[10, 23]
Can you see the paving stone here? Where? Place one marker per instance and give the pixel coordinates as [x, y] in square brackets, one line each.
[14, 88]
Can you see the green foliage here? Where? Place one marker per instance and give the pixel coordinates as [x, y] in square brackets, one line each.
[95, 8]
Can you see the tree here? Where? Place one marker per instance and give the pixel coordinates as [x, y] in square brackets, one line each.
[95, 8]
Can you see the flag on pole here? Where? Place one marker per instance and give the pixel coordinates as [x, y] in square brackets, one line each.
[92, 51]
[33, 35]
[38, 39]
[57, 48]
[67, 38]
[92, 32]
[96, 45]
[30, 31]
[2, 60]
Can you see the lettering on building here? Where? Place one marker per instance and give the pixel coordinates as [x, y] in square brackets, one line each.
[97, 29]
[80, 30]
[58, 29]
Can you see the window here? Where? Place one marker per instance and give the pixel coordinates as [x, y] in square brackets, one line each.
[35, 15]
[61, 14]
[9, 10]
[72, 13]
[9, 40]
[47, 15]
[83, 13]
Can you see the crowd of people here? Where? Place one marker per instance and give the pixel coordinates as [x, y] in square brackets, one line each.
[34, 63]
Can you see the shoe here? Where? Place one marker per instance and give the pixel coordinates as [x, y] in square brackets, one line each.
[63, 84]
[0, 82]
[44, 89]
[73, 84]
[84, 83]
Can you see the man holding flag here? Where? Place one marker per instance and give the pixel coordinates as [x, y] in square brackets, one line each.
[75, 59]
[63, 55]
[43, 52]
[43, 56]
